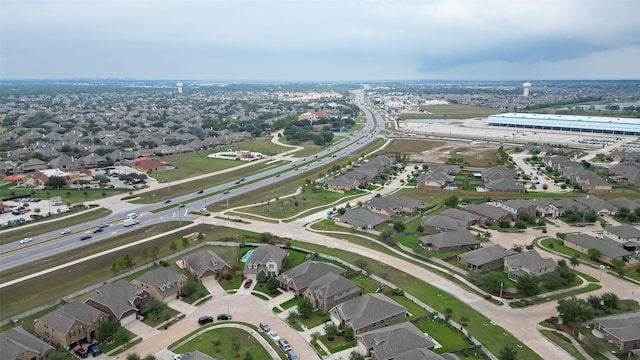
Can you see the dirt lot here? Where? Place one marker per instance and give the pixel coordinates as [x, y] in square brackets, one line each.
[473, 153]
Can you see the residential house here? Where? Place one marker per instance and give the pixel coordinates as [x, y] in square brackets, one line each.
[330, 289]
[560, 206]
[206, 263]
[265, 259]
[299, 278]
[464, 217]
[439, 223]
[438, 176]
[519, 207]
[425, 354]
[597, 205]
[490, 213]
[120, 300]
[146, 164]
[623, 202]
[368, 312]
[162, 283]
[504, 185]
[388, 342]
[343, 183]
[621, 330]
[528, 263]
[71, 324]
[362, 218]
[485, 259]
[19, 344]
[628, 171]
[391, 206]
[498, 172]
[622, 233]
[545, 208]
[449, 241]
[33, 165]
[608, 249]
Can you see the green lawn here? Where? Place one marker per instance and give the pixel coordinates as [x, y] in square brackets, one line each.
[259, 295]
[37, 228]
[225, 337]
[409, 241]
[563, 342]
[450, 338]
[338, 343]
[290, 206]
[69, 196]
[168, 314]
[367, 283]
[193, 164]
[261, 144]
[314, 320]
[414, 309]
[290, 303]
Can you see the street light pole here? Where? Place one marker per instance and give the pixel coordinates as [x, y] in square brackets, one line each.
[501, 284]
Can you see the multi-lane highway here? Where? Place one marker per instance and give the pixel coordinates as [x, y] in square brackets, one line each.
[53, 242]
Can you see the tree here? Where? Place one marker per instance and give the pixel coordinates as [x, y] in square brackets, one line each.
[399, 226]
[261, 278]
[492, 281]
[452, 201]
[356, 356]
[448, 311]
[595, 302]
[575, 260]
[330, 329]
[420, 228]
[149, 357]
[272, 285]
[508, 353]
[122, 336]
[107, 329]
[247, 356]
[348, 334]
[594, 254]
[55, 182]
[618, 266]
[574, 311]
[153, 309]
[305, 307]
[185, 242]
[265, 237]
[133, 356]
[528, 285]
[388, 237]
[189, 288]
[610, 300]
[173, 246]
[504, 224]
[235, 343]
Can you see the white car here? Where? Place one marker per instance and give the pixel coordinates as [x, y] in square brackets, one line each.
[65, 232]
[25, 240]
[178, 357]
[274, 335]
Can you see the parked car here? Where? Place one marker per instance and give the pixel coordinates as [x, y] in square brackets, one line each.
[94, 350]
[26, 240]
[274, 335]
[284, 344]
[65, 232]
[247, 284]
[224, 317]
[85, 237]
[205, 320]
[265, 327]
[291, 355]
[178, 357]
[80, 351]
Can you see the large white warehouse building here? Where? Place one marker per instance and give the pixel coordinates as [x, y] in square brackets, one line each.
[597, 124]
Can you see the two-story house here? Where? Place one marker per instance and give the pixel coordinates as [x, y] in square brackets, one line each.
[528, 263]
[267, 259]
[330, 289]
[162, 283]
[71, 324]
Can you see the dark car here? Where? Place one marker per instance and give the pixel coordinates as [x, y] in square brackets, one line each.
[94, 350]
[95, 231]
[86, 237]
[205, 320]
[200, 192]
[247, 284]
[80, 351]
[167, 201]
[181, 205]
[103, 226]
[224, 317]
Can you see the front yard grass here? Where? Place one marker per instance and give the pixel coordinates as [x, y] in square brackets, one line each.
[450, 338]
[224, 337]
[315, 319]
[168, 314]
[290, 303]
[338, 343]
[562, 342]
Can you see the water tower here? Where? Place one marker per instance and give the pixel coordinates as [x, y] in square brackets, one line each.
[179, 85]
[526, 87]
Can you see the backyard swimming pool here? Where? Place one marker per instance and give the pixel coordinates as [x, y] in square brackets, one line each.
[246, 256]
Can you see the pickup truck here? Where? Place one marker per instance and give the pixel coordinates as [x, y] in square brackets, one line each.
[131, 222]
[94, 350]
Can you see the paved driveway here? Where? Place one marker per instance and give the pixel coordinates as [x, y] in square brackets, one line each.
[141, 329]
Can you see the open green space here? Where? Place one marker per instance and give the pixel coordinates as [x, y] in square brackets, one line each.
[225, 337]
[450, 338]
[287, 207]
[260, 144]
[450, 111]
[174, 190]
[404, 146]
[62, 221]
[193, 164]
[563, 342]
[68, 196]
[309, 148]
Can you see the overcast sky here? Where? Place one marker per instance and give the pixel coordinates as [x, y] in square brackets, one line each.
[324, 40]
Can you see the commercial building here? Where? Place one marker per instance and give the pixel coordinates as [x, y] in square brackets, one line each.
[595, 124]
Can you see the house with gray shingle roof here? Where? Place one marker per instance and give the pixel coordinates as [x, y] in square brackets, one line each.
[391, 206]
[461, 215]
[485, 259]
[206, 263]
[299, 278]
[623, 330]
[489, 213]
[368, 312]
[597, 205]
[362, 218]
[120, 300]
[623, 202]
[519, 207]
[504, 185]
[622, 233]
[425, 354]
[389, 342]
[267, 259]
[331, 289]
[608, 249]
[449, 241]
[17, 343]
[70, 324]
[439, 223]
[528, 263]
[162, 283]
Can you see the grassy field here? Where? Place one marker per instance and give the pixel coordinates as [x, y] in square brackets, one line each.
[450, 338]
[193, 164]
[192, 186]
[451, 111]
[563, 341]
[225, 337]
[402, 146]
[290, 206]
[261, 144]
[69, 196]
[20, 232]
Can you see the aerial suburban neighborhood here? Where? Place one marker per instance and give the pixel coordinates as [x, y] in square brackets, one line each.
[386, 221]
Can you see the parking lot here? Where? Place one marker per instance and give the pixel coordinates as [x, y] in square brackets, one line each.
[27, 209]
